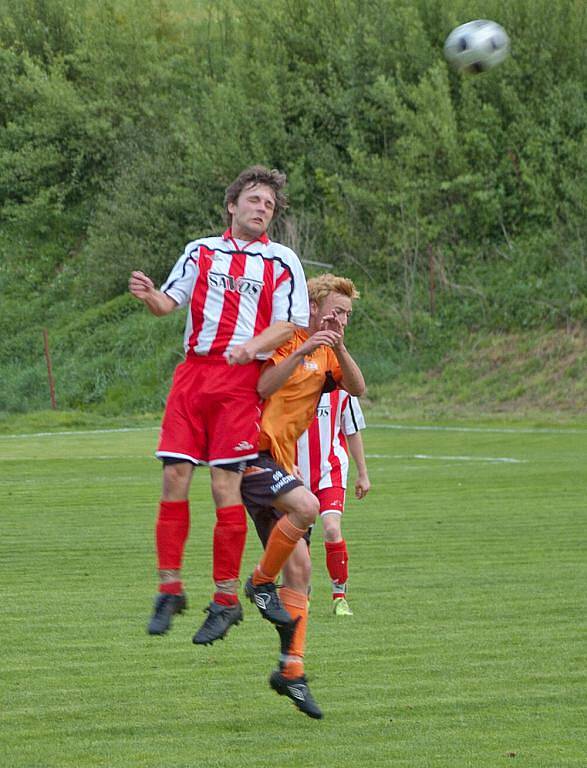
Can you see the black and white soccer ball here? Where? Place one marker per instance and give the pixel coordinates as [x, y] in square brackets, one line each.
[477, 46]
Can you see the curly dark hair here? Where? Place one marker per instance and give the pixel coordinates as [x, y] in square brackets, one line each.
[257, 174]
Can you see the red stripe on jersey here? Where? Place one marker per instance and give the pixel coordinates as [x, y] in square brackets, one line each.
[199, 294]
[314, 453]
[344, 402]
[230, 305]
[335, 472]
[265, 305]
[285, 275]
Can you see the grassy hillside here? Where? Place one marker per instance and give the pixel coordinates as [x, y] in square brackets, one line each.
[457, 204]
[537, 375]
[540, 374]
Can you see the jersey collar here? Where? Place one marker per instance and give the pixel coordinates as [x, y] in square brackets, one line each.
[263, 239]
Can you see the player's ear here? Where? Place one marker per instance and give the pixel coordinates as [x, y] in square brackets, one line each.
[313, 308]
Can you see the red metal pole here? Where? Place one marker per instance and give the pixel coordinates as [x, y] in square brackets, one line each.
[49, 369]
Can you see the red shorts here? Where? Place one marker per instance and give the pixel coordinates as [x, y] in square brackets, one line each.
[331, 500]
[212, 413]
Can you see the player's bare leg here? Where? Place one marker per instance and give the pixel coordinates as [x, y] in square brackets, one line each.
[300, 508]
[171, 534]
[337, 561]
[229, 542]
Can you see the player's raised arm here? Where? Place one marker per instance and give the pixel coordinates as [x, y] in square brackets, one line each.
[352, 377]
[268, 340]
[275, 374]
[331, 306]
[157, 302]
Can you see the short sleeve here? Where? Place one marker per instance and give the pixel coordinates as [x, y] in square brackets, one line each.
[283, 351]
[181, 279]
[290, 298]
[352, 417]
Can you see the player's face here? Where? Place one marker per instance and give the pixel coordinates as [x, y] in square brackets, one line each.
[252, 212]
[334, 304]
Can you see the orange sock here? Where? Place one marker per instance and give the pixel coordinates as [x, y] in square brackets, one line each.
[280, 545]
[296, 604]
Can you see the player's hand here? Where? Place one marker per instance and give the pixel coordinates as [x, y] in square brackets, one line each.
[331, 322]
[297, 473]
[140, 285]
[241, 354]
[362, 486]
[320, 338]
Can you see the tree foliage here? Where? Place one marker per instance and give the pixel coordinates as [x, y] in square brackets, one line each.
[455, 202]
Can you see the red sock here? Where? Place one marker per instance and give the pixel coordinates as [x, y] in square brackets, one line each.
[230, 533]
[171, 587]
[337, 561]
[224, 598]
[171, 533]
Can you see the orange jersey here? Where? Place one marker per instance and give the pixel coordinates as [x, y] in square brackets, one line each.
[288, 412]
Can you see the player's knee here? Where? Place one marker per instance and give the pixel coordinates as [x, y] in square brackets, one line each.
[225, 486]
[176, 480]
[308, 509]
[331, 527]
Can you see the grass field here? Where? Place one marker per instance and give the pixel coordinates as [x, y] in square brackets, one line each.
[467, 647]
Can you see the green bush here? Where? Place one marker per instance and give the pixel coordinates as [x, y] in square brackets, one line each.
[456, 203]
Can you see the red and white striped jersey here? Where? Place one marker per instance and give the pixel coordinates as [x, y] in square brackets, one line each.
[235, 290]
[322, 453]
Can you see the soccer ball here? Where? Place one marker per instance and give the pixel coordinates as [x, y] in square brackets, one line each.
[477, 46]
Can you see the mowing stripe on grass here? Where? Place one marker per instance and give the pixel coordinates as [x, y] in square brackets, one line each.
[395, 456]
[406, 427]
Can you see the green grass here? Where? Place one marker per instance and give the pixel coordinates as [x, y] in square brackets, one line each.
[467, 648]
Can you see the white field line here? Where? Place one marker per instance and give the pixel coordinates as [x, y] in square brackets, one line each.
[79, 432]
[426, 457]
[399, 457]
[394, 457]
[69, 459]
[406, 427]
[496, 430]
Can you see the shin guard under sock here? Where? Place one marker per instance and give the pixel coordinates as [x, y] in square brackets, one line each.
[280, 545]
[296, 604]
[171, 533]
[337, 561]
[230, 533]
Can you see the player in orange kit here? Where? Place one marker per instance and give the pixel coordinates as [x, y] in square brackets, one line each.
[313, 361]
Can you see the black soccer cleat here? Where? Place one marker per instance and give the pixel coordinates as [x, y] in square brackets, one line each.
[220, 619]
[297, 690]
[264, 596]
[165, 607]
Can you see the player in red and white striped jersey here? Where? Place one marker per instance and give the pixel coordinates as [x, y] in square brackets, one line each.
[322, 457]
[245, 295]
